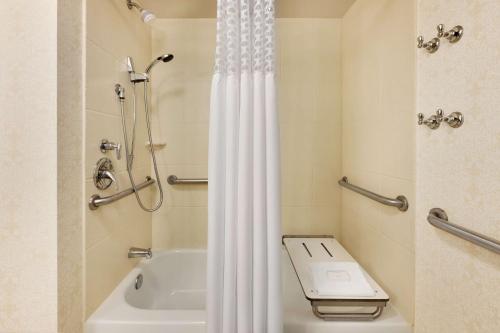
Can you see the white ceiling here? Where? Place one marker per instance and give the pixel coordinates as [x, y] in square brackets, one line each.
[285, 8]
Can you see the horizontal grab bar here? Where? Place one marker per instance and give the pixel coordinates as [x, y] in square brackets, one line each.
[96, 200]
[174, 180]
[400, 202]
[438, 218]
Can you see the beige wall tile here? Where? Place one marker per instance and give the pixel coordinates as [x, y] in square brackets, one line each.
[180, 227]
[113, 33]
[378, 153]
[120, 31]
[102, 75]
[309, 108]
[184, 196]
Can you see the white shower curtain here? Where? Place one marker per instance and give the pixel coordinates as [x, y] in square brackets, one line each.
[244, 235]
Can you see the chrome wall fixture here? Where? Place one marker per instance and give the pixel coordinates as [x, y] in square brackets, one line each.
[431, 46]
[104, 174]
[137, 252]
[453, 35]
[146, 15]
[143, 78]
[438, 218]
[454, 119]
[96, 200]
[400, 202]
[174, 180]
[138, 281]
[106, 145]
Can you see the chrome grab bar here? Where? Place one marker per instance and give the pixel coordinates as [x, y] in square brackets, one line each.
[174, 180]
[400, 202]
[96, 200]
[438, 218]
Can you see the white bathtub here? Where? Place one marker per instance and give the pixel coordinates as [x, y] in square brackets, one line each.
[172, 300]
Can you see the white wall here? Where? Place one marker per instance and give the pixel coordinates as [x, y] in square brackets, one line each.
[458, 283]
[28, 166]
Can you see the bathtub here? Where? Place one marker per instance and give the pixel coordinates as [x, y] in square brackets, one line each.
[172, 300]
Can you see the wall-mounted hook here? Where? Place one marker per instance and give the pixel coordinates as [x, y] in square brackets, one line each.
[453, 35]
[431, 46]
[431, 122]
[454, 119]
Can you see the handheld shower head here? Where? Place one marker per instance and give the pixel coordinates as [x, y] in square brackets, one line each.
[165, 58]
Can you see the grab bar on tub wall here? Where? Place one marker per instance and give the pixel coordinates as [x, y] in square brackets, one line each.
[96, 200]
[174, 180]
[400, 202]
[438, 218]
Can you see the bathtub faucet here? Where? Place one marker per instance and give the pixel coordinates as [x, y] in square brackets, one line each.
[137, 252]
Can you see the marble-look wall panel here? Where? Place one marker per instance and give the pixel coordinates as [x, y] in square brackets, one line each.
[28, 166]
[458, 283]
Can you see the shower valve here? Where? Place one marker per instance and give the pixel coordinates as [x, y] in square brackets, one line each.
[104, 174]
[107, 145]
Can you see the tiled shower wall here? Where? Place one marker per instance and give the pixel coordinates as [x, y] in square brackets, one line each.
[308, 79]
[378, 63]
[113, 33]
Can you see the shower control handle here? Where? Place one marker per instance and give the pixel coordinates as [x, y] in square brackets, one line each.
[104, 174]
[107, 145]
[109, 175]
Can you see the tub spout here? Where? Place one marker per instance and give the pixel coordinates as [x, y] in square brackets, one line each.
[137, 252]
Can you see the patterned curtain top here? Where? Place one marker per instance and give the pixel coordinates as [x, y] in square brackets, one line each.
[245, 36]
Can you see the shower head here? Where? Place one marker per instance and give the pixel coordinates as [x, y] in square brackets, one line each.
[146, 15]
[165, 58]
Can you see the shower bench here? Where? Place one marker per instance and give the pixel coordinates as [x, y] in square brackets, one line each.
[305, 250]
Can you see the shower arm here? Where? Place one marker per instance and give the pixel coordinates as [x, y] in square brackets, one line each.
[131, 4]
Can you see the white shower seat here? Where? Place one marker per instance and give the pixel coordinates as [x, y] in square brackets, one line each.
[305, 250]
